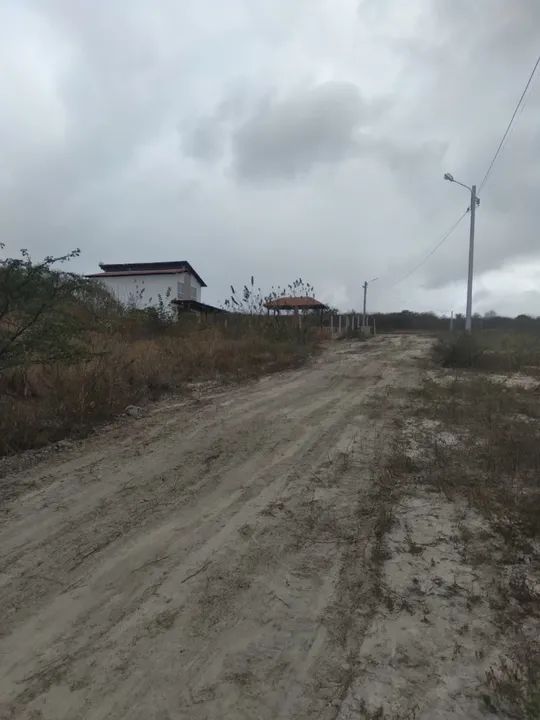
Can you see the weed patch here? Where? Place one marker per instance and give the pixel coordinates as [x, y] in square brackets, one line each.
[494, 466]
[43, 403]
[514, 684]
[489, 350]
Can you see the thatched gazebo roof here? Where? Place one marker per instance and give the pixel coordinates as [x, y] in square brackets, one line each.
[295, 303]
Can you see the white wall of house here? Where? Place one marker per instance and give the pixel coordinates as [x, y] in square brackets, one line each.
[143, 291]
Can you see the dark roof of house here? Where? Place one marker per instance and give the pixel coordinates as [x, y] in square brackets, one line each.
[295, 303]
[151, 268]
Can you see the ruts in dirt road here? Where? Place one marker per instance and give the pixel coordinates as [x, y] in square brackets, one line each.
[217, 558]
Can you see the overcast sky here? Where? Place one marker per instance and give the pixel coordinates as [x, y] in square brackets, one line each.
[277, 138]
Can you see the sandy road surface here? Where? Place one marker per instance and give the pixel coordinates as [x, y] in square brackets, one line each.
[213, 559]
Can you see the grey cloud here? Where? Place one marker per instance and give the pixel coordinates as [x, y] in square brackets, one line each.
[280, 178]
[281, 138]
[117, 94]
[287, 137]
[466, 84]
[205, 141]
[500, 25]
[206, 137]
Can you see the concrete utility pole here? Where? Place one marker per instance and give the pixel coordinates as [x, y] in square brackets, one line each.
[365, 297]
[474, 202]
[451, 321]
[468, 319]
[365, 286]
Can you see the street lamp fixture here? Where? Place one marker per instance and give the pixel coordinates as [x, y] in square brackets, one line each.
[450, 178]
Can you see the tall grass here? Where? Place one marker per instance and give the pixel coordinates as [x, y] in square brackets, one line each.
[40, 403]
[71, 355]
[493, 462]
[497, 422]
[490, 350]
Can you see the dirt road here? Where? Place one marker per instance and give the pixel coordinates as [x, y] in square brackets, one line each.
[217, 558]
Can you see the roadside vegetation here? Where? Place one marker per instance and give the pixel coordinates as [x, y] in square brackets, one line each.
[476, 440]
[71, 356]
[491, 351]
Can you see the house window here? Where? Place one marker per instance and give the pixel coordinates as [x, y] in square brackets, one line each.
[180, 290]
[195, 287]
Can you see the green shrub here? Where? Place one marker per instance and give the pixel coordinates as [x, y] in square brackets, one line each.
[461, 351]
[489, 350]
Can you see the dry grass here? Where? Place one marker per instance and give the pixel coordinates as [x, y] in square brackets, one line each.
[514, 684]
[489, 350]
[497, 463]
[40, 404]
[494, 463]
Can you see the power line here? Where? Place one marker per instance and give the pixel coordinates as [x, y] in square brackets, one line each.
[433, 250]
[499, 148]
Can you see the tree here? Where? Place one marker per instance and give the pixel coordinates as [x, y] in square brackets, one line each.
[40, 318]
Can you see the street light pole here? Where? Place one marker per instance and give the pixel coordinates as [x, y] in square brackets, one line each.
[364, 313]
[474, 202]
[468, 316]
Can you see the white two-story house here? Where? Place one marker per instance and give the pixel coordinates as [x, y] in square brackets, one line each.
[144, 285]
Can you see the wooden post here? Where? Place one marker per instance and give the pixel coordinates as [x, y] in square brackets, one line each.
[331, 324]
[339, 324]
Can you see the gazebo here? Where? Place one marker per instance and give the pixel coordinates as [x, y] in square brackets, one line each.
[296, 305]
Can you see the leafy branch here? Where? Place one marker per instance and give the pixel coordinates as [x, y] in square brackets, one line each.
[38, 321]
